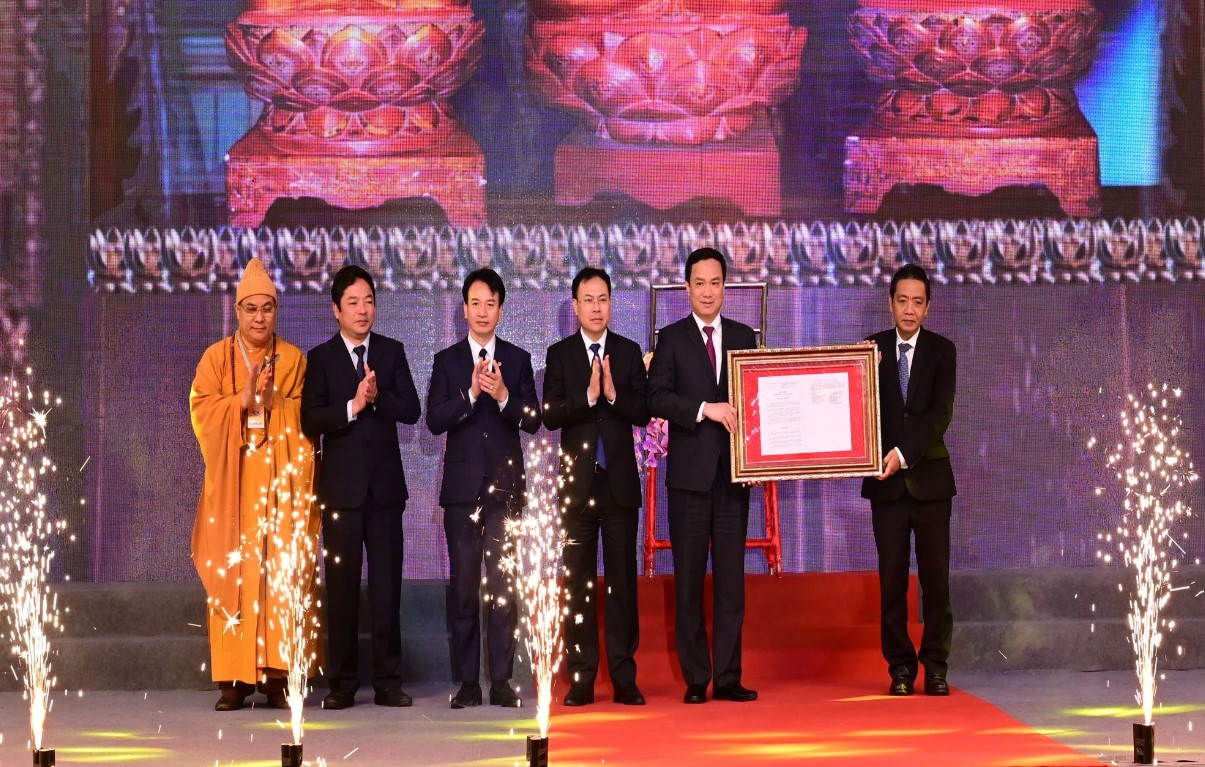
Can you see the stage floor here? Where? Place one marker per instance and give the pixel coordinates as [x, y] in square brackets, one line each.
[1034, 718]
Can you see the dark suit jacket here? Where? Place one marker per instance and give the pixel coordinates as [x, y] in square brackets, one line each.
[680, 380]
[566, 378]
[362, 455]
[483, 441]
[917, 427]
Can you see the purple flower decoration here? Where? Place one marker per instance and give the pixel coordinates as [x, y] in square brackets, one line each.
[651, 442]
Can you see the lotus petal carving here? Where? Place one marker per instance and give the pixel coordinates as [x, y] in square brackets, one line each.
[658, 80]
[563, 10]
[380, 84]
[985, 67]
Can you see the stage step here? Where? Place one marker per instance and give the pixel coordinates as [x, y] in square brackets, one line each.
[134, 636]
[151, 635]
[1067, 618]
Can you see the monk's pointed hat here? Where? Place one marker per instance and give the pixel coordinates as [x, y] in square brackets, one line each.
[255, 282]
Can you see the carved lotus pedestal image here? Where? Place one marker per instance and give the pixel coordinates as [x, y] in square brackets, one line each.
[356, 105]
[673, 96]
[975, 96]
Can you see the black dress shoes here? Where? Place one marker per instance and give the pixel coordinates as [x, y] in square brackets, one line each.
[901, 682]
[629, 695]
[278, 700]
[502, 694]
[579, 695]
[233, 695]
[394, 697]
[695, 693]
[335, 701]
[936, 684]
[467, 696]
[734, 692]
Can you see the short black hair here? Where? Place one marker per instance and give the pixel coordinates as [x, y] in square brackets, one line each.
[590, 273]
[346, 277]
[491, 280]
[912, 272]
[706, 254]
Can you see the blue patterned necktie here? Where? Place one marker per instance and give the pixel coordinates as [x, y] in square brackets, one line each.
[600, 455]
[903, 365]
[359, 350]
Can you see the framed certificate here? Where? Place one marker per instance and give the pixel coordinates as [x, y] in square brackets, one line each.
[806, 413]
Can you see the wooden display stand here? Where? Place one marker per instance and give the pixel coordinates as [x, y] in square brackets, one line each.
[1064, 158]
[451, 173]
[770, 545]
[744, 170]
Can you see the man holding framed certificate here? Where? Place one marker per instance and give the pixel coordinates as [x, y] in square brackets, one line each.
[912, 495]
[688, 386]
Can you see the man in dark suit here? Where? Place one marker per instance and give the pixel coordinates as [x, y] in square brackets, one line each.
[688, 386]
[482, 393]
[594, 391]
[357, 389]
[917, 371]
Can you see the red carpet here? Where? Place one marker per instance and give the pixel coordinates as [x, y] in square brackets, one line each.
[811, 650]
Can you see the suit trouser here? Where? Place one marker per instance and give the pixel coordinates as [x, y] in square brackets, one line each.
[895, 522]
[471, 542]
[622, 622]
[717, 519]
[347, 534]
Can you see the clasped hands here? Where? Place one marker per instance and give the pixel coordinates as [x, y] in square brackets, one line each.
[601, 381]
[260, 388]
[366, 392]
[488, 381]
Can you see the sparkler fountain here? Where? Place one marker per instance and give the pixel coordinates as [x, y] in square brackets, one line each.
[293, 582]
[27, 531]
[1153, 471]
[533, 558]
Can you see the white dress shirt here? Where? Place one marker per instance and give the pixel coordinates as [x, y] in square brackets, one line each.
[602, 353]
[717, 337]
[910, 355]
[355, 363]
[489, 355]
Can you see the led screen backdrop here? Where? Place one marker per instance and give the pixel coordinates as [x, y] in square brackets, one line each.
[819, 144]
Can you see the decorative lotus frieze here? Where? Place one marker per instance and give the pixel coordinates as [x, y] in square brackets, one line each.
[680, 73]
[975, 65]
[1070, 251]
[372, 86]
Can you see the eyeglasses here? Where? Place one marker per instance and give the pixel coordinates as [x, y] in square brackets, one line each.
[267, 310]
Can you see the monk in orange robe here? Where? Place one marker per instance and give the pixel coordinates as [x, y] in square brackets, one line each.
[256, 515]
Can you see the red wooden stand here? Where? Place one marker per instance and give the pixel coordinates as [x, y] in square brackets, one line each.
[452, 174]
[744, 170]
[771, 544]
[1064, 158]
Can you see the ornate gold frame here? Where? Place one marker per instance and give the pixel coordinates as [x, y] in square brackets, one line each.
[862, 357]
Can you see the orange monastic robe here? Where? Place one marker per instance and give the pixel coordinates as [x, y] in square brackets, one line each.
[257, 492]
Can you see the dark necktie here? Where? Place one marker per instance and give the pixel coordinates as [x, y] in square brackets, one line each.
[903, 365]
[481, 355]
[709, 330]
[359, 350]
[600, 455]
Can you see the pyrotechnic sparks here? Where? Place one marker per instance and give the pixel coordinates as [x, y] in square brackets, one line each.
[27, 532]
[1152, 470]
[533, 558]
[292, 573]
